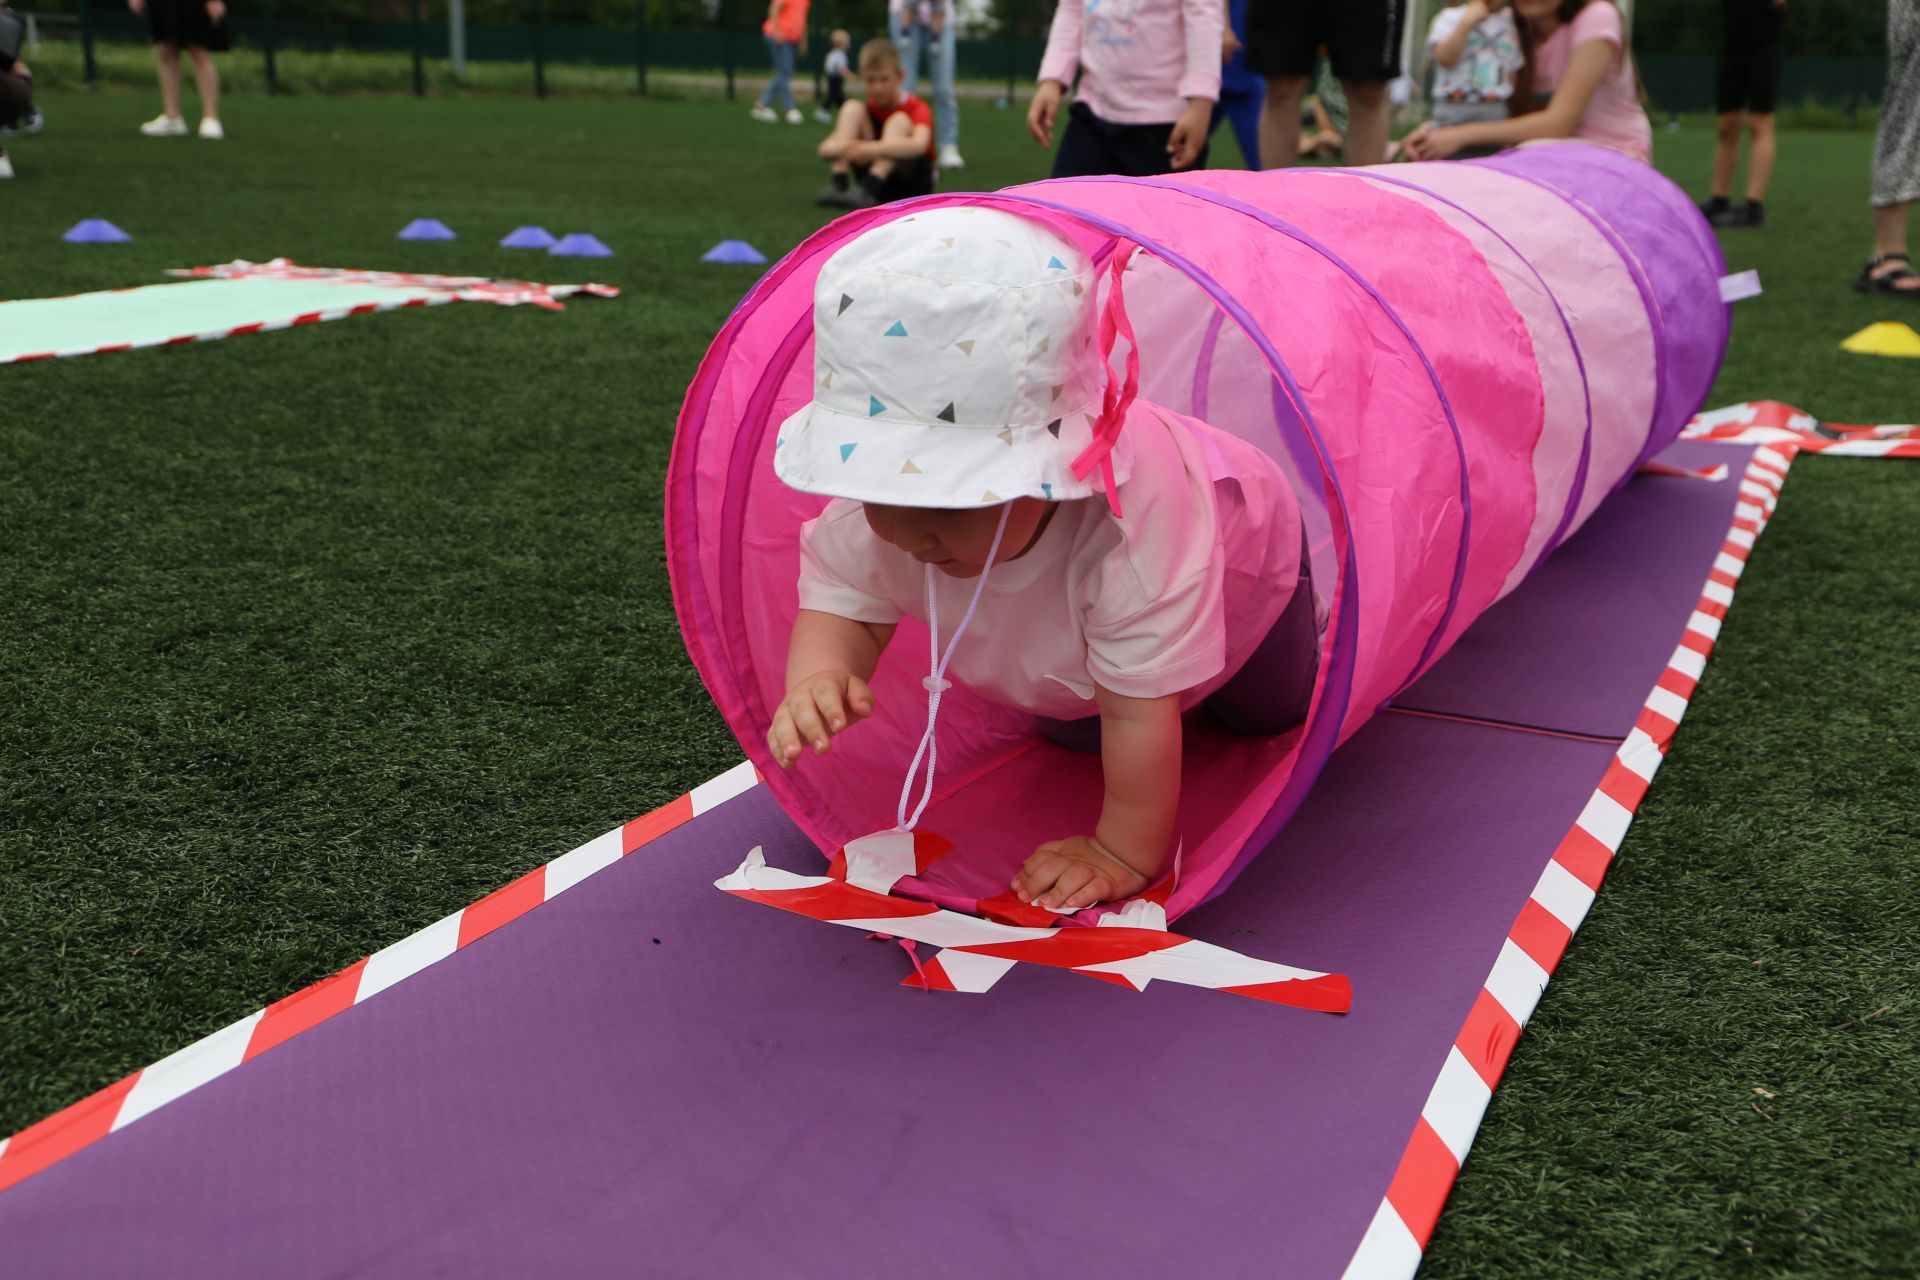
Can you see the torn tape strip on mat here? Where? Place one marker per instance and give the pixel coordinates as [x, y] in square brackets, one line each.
[1404, 1221]
[1781, 425]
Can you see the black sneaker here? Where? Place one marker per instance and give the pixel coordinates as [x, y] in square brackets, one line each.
[1752, 214]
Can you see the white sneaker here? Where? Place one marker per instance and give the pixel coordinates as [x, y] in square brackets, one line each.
[794, 116]
[823, 115]
[6, 166]
[164, 126]
[765, 114]
[210, 130]
[950, 157]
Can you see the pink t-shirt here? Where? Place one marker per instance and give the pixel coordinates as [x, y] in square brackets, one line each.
[1614, 117]
[1139, 60]
[1171, 599]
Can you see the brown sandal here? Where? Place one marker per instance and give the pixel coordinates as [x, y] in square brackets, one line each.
[1867, 282]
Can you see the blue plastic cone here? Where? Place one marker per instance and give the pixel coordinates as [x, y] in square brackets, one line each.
[95, 231]
[580, 244]
[427, 229]
[733, 251]
[528, 238]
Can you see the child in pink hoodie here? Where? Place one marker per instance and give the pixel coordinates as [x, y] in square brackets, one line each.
[1149, 76]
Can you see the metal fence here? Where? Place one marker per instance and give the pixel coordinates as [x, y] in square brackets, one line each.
[731, 47]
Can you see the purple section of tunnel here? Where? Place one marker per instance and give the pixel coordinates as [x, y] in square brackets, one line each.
[1551, 657]
[752, 1095]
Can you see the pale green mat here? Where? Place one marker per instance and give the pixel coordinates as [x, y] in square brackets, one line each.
[160, 313]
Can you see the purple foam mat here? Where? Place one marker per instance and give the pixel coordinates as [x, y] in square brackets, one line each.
[1559, 651]
[754, 1095]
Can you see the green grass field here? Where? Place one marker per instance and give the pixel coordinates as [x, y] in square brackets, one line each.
[307, 640]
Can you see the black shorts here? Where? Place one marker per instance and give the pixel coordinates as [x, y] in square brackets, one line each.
[909, 178]
[185, 22]
[1362, 37]
[1092, 147]
[1749, 79]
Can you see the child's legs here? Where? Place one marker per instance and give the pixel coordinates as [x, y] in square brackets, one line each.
[1366, 121]
[1272, 690]
[206, 78]
[836, 94]
[946, 104]
[1083, 150]
[168, 57]
[897, 129]
[853, 125]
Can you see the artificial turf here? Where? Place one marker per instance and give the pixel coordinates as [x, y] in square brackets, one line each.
[307, 640]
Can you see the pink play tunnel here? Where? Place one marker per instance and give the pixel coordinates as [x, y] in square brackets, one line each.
[1455, 364]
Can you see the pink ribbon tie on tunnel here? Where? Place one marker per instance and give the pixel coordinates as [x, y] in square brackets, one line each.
[1116, 400]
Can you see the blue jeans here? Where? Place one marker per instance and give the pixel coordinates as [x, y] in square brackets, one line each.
[913, 43]
[779, 90]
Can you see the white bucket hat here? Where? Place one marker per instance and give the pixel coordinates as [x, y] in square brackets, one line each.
[960, 361]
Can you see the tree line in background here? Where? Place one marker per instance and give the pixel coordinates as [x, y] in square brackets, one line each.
[1813, 27]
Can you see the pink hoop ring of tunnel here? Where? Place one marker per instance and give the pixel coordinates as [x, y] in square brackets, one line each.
[1454, 363]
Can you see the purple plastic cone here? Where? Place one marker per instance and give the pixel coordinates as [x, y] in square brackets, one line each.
[427, 229]
[733, 251]
[580, 244]
[528, 238]
[95, 231]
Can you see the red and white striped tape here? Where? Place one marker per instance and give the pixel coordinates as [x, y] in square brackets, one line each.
[1404, 1221]
[120, 1104]
[1784, 427]
[978, 952]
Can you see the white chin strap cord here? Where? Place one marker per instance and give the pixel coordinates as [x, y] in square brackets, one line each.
[937, 683]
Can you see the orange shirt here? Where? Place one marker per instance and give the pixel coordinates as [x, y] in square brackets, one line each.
[788, 21]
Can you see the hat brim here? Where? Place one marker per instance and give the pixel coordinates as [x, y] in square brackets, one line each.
[841, 455]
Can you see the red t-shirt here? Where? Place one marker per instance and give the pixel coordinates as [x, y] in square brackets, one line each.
[917, 112]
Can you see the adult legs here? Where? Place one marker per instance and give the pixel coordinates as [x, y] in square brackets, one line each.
[1366, 121]
[1890, 241]
[946, 104]
[913, 53]
[1726, 154]
[206, 78]
[1760, 153]
[1280, 120]
[779, 90]
[167, 55]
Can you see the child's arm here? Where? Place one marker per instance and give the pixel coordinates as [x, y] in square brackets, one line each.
[1446, 52]
[1058, 66]
[1588, 66]
[905, 147]
[829, 661]
[1140, 756]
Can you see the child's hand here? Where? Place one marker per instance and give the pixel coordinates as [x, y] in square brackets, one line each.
[1189, 133]
[1066, 875]
[1044, 109]
[813, 711]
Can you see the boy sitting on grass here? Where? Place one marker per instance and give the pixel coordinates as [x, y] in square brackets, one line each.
[881, 149]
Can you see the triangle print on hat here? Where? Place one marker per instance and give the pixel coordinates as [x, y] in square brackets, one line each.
[899, 330]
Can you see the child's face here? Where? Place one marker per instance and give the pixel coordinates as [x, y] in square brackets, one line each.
[841, 40]
[956, 542]
[882, 85]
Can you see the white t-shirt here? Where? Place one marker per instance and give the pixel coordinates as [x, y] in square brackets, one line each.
[836, 62]
[1139, 604]
[1486, 67]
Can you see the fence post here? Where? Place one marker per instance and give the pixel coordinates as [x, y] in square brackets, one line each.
[419, 34]
[266, 40]
[726, 35]
[90, 72]
[1013, 19]
[539, 49]
[640, 43]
